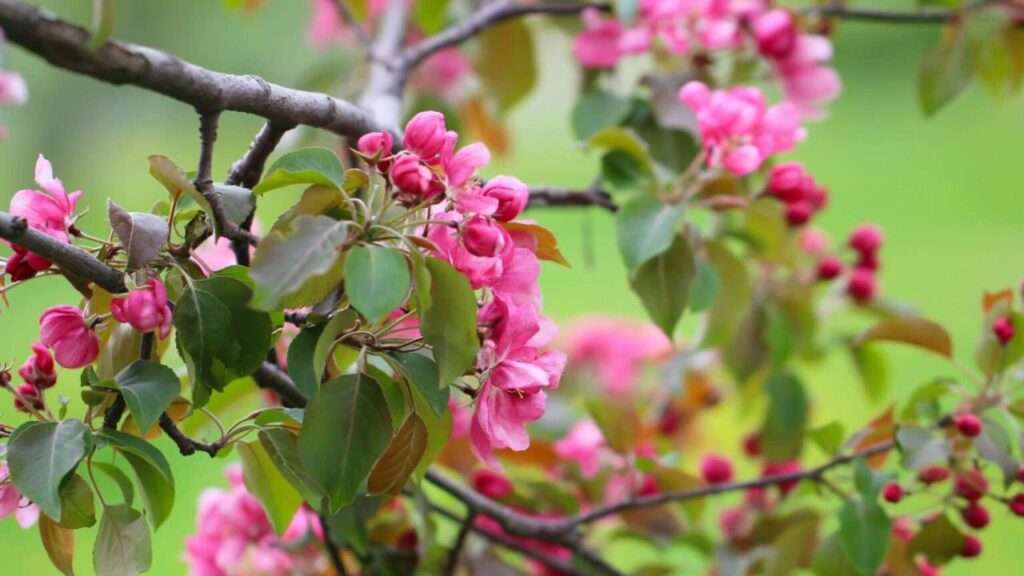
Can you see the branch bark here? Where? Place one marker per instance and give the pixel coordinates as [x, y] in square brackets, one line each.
[187, 446]
[544, 196]
[840, 11]
[65, 45]
[383, 94]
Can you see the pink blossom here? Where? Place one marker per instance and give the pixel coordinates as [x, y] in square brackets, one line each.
[63, 328]
[13, 90]
[807, 80]
[598, 45]
[443, 73]
[461, 166]
[325, 25]
[775, 32]
[414, 180]
[426, 135]
[492, 484]
[477, 247]
[145, 309]
[375, 144]
[503, 197]
[716, 469]
[583, 445]
[461, 418]
[519, 280]
[12, 502]
[51, 209]
[38, 369]
[29, 398]
[23, 264]
[814, 241]
[737, 129]
[217, 254]
[619, 349]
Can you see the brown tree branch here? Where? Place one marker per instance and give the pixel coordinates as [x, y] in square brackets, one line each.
[68, 46]
[187, 446]
[384, 88]
[276, 380]
[545, 196]
[208, 122]
[460, 540]
[248, 170]
[67, 257]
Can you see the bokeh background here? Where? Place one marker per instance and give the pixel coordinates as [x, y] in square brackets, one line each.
[947, 190]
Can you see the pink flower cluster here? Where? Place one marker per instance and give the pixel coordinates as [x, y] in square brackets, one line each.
[234, 537]
[50, 211]
[618, 349]
[12, 502]
[738, 130]
[470, 233]
[865, 241]
[38, 374]
[146, 309]
[686, 26]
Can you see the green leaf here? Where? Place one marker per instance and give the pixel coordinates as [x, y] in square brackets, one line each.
[597, 110]
[401, 458]
[618, 421]
[283, 264]
[626, 10]
[624, 140]
[828, 437]
[872, 369]
[674, 149]
[59, 543]
[448, 320]
[306, 166]
[783, 431]
[122, 547]
[376, 280]
[202, 325]
[646, 227]
[348, 526]
[120, 478]
[104, 17]
[152, 471]
[279, 498]
[340, 322]
[282, 448]
[938, 539]
[422, 373]
[509, 75]
[734, 295]
[238, 203]
[663, 284]
[996, 445]
[174, 179]
[864, 531]
[913, 330]
[250, 329]
[439, 430]
[148, 389]
[705, 287]
[142, 235]
[346, 428]
[300, 360]
[41, 454]
[921, 447]
[831, 560]
[76, 503]
[945, 71]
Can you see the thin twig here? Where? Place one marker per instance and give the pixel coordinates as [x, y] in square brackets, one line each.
[247, 171]
[460, 541]
[841, 11]
[204, 181]
[331, 548]
[187, 446]
[68, 46]
[273, 378]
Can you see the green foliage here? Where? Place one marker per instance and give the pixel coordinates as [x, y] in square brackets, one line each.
[377, 280]
[148, 389]
[345, 430]
[41, 454]
[646, 228]
[122, 547]
[864, 527]
[143, 235]
[305, 166]
[782, 434]
[151, 470]
[279, 498]
[509, 75]
[400, 459]
[663, 284]
[76, 501]
[945, 71]
[421, 372]
[448, 319]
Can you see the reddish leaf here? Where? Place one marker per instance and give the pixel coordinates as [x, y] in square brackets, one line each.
[913, 330]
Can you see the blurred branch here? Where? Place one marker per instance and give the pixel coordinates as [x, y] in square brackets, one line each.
[839, 10]
[68, 46]
[350, 20]
[490, 14]
[460, 540]
[547, 196]
[69, 258]
[383, 94]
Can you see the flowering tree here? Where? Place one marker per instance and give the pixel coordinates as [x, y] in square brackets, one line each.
[393, 320]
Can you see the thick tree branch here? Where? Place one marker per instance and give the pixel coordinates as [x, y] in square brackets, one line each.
[840, 11]
[248, 170]
[544, 196]
[273, 378]
[69, 258]
[67, 46]
[384, 88]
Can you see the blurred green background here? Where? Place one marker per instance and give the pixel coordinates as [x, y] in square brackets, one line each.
[947, 191]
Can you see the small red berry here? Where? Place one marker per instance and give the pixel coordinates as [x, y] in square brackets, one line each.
[783, 469]
[968, 424]
[975, 516]
[786, 182]
[408, 540]
[868, 262]
[861, 286]
[818, 197]
[1003, 329]
[648, 486]
[829, 267]
[971, 485]
[892, 492]
[798, 214]
[866, 239]
[971, 547]
[1016, 505]
[716, 469]
[933, 474]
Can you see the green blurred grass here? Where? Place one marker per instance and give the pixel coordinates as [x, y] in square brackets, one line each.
[946, 190]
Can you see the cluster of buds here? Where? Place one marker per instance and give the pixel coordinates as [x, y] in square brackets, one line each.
[38, 373]
[739, 521]
[861, 281]
[795, 187]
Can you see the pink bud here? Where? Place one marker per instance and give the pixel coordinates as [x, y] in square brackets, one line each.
[462, 165]
[12, 89]
[971, 485]
[798, 214]
[743, 160]
[968, 424]
[861, 285]
[411, 176]
[425, 135]
[892, 493]
[975, 515]
[1003, 329]
[492, 484]
[511, 195]
[716, 469]
[866, 239]
[695, 95]
[145, 309]
[29, 396]
[971, 547]
[1017, 505]
[38, 369]
[829, 267]
[375, 144]
[786, 181]
[775, 32]
[63, 329]
[482, 237]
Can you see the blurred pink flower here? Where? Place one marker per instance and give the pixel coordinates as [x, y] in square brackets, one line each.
[618, 348]
[583, 445]
[13, 90]
[12, 502]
